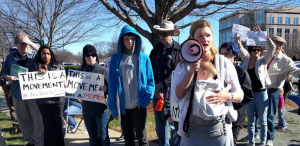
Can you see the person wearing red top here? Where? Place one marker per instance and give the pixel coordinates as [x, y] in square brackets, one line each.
[281, 111]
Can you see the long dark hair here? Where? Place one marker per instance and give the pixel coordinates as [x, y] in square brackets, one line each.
[83, 65]
[39, 59]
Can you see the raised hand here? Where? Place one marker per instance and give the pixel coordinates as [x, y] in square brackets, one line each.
[257, 28]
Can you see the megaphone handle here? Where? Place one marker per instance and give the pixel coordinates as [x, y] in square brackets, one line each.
[195, 76]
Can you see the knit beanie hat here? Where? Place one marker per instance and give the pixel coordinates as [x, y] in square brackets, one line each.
[89, 49]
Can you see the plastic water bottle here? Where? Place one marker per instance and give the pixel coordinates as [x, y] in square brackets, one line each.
[160, 104]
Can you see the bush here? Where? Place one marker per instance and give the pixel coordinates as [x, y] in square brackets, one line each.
[75, 67]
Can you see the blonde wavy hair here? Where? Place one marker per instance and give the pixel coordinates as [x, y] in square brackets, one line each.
[201, 24]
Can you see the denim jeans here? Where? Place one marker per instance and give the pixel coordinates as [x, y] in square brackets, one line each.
[162, 125]
[273, 95]
[94, 122]
[281, 121]
[136, 118]
[260, 105]
[256, 124]
[74, 107]
[175, 138]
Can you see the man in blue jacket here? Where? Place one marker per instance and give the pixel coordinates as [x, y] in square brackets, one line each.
[28, 113]
[131, 77]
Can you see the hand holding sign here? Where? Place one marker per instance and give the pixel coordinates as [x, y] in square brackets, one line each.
[257, 28]
[12, 79]
[43, 71]
[104, 88]
[170, 119]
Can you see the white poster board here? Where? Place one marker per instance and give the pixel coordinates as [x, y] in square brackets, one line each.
[107, 62]
[240, 30]
[85, 86]
[175, 110]
[174, 106]
[256, 38]
[37, 85]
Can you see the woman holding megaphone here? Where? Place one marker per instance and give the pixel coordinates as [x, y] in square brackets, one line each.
[194, 129]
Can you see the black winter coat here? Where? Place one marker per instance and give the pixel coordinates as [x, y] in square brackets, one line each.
[245, 83]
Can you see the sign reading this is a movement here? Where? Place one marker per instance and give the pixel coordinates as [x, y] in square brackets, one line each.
[36, 85]
[85, 86]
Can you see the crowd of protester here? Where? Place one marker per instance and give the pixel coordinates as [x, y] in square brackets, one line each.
[214, 104]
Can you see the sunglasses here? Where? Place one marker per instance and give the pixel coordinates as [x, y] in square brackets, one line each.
[89, 55]
[165, 34]
[254, 50]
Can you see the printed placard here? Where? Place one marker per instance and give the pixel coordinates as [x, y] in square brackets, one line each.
[240, 30]
[35, 85]
[15, 69]
[256, 38]
[85, 86]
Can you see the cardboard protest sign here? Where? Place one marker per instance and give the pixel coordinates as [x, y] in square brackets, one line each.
[107, 62]
[174, 106]
[15, 69]
[36, 85]
[256, 38]
[240, 30]
[85, 86]
[175, 110]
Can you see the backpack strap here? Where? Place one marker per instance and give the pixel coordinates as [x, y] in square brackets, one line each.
[219, 64]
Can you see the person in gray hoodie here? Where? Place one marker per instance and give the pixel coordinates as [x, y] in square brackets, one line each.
[131, 77]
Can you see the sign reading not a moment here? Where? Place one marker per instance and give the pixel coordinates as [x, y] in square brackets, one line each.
[85, 86]
[36, 85]
[256, 38]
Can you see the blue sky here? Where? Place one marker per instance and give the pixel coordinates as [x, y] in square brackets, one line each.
[108, 35]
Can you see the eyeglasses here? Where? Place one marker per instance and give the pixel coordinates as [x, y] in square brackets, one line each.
[165, 34]
[254, 50]
[89, 55]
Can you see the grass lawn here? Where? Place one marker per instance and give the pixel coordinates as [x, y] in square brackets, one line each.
[6, 127]
[150, 126]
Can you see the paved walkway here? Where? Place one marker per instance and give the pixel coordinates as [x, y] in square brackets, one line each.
[81, 137]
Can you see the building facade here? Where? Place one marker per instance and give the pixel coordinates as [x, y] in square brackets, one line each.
[281, 21]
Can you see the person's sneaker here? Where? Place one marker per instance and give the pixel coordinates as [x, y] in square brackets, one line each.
[283, 128]
[245, 139]
[269, 143]
[120, 138]
[256, 136]
[72, 130]
[277, 127]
